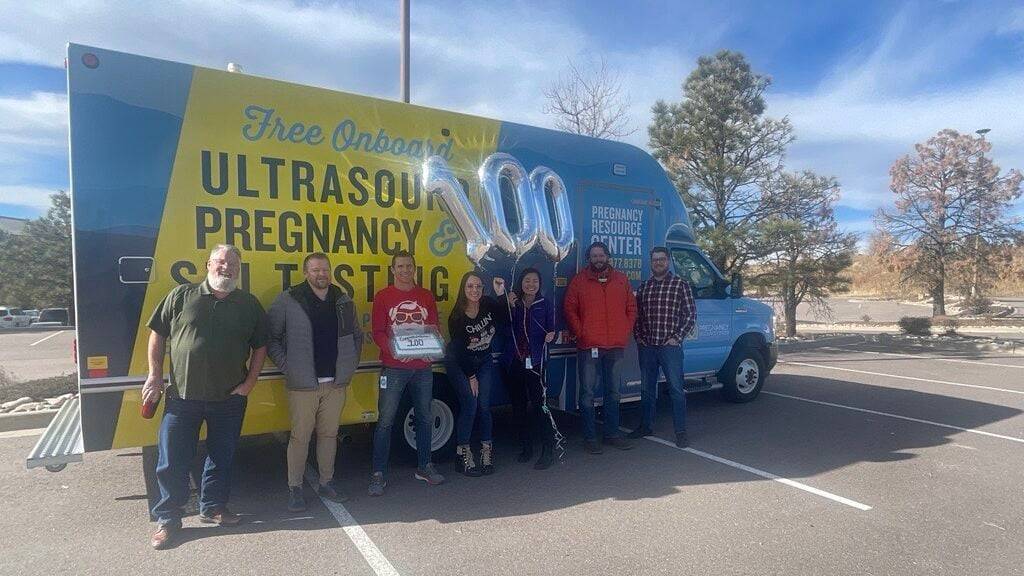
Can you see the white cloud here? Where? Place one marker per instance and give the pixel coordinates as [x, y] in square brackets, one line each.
[495, 61]
[880, 100]
[27, 196]
[36, 121]
[33, 148]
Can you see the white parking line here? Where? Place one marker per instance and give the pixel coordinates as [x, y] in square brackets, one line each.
[373, 556]
[824, 367]
[898, 416]
[957, 360]
[40, 341]
[763, 474]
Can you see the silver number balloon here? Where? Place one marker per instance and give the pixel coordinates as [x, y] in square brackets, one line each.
[494, 168]
[554, 247]
[439, 180]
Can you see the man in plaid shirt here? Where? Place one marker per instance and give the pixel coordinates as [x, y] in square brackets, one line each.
[665, 315]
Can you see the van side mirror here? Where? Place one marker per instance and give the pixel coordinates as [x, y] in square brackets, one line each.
[736, 290]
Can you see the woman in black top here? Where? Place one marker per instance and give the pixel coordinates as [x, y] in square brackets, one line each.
[471, 327]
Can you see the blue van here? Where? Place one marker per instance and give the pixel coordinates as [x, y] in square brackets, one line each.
[169, 160]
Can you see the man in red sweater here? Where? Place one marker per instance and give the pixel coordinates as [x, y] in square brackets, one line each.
[399, 304]
[600, 309]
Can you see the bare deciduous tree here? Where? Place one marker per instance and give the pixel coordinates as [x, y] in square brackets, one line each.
[947, 196]
[588, 99]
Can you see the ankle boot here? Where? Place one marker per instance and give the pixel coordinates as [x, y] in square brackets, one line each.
[547, 457]
[486, 458]
[465, 458]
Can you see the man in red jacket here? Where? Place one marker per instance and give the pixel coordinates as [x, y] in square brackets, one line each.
[600, 309]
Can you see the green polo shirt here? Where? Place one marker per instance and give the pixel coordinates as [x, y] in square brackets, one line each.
[209, 339]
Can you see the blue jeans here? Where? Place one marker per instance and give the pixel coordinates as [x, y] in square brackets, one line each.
[388, 399]
[470, 406]
[670, 360]
[609, 364]
[177, 440]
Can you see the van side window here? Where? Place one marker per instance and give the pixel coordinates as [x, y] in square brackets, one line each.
[691, 267]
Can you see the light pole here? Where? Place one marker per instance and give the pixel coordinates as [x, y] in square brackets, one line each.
[403, 68]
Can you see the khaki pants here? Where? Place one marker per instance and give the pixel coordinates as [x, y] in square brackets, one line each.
[318, 409]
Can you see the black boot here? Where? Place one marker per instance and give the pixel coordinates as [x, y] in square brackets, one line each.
[486, 458]
[526, 454]
[547, 457]
[466, 463]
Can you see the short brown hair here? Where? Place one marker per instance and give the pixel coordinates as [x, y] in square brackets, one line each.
[661, 249]
[402, 254]
[315, 256]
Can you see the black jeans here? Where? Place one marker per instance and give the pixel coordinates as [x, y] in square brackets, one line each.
[527, 396]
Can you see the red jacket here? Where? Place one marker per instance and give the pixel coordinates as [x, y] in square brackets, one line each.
[600, 314]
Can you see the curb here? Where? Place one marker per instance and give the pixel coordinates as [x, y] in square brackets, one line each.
[959, 345]
[847, 339]
[26, 420]
[36, 329]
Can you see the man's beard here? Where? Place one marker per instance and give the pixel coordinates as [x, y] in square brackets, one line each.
[600, 268]
[320, 283]
[221, 283]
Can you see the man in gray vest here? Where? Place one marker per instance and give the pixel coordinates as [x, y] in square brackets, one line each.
[316, 340]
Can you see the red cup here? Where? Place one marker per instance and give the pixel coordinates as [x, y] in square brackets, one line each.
[149, 408]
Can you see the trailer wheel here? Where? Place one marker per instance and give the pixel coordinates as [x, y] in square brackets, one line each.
[56, 467]
[743, 375]
[444, 410]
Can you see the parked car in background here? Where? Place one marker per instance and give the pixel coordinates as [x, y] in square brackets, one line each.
[33, 315]
[53, 317]
[11, 317]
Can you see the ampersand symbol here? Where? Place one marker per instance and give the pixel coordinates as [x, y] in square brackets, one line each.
[444, 240]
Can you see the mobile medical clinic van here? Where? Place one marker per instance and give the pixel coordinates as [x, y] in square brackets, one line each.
[168, 160]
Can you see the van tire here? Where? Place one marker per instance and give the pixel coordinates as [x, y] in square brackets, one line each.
[743, 375]
[445, 408]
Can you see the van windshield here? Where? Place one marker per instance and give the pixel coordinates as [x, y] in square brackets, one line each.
[693, 268]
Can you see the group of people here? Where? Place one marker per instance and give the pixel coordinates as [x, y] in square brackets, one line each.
[219, 337]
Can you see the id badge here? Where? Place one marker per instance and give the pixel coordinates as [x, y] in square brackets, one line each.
[383, 382]
[593, 352]
[529, 363]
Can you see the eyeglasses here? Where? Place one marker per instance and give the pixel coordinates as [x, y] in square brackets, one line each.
[403, 317]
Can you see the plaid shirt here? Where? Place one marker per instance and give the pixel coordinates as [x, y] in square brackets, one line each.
[665, 310]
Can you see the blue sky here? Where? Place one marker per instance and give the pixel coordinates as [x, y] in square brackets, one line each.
[860, 81]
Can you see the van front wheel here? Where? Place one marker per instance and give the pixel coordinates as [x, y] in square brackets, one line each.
[743, 375]
[443, 410]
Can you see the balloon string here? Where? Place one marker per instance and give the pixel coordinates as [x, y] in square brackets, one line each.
[558, 437]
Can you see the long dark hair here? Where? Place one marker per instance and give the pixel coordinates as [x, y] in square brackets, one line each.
[522, 276]
[461, 300]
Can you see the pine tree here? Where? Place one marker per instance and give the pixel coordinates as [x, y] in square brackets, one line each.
[720, 150]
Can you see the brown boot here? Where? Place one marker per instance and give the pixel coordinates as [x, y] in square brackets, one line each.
[163, 537]
[222, 517]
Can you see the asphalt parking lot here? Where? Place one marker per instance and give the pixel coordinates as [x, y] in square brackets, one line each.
[33, 354]
[856, 459]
